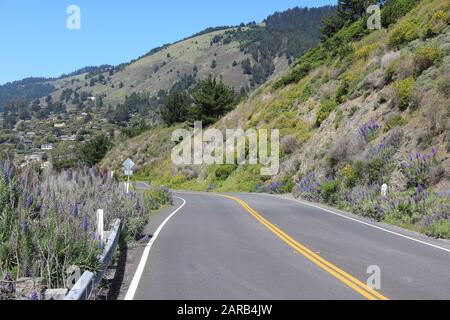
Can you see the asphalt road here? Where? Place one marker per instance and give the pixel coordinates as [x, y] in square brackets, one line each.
[265, 248]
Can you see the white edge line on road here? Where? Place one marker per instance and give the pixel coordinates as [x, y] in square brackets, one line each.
[138, 274]
[362, 222]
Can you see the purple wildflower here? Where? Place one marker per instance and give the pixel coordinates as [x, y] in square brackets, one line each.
[75, 210]
[274, 186]
[34, 295]
[24, 226]
[85, 224]
[420, 189]
[29, 201]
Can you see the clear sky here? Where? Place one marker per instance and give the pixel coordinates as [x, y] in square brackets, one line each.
[36, 42]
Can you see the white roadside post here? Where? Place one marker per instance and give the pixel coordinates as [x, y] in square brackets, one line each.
[127, 166]
[384, 190]
[100, 224]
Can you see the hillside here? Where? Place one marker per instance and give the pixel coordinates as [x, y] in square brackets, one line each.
[362, 109]
[268, 46]
[125, 100]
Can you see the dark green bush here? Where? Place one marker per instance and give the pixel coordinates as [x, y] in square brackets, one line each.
[325, 110]
[395, 9]
[329, 189]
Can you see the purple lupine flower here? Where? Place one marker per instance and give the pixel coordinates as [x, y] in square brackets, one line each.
[448, 192]
[434, 151]
[75, 210]
[24, 226]
[34, 295]
[85, 224]
[29, 201]
[273, 187]
[420, 189]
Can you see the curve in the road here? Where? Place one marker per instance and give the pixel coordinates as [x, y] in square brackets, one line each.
[338, 273]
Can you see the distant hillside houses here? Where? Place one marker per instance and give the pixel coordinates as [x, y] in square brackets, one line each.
[68, 138]
[47, 147]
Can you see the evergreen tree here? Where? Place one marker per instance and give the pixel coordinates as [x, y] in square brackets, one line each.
[211, 100]
[176, 107]
[94, 151]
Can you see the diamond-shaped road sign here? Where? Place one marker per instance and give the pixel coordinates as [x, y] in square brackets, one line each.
[128, 165]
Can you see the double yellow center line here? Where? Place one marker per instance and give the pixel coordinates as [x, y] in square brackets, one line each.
[338, 273]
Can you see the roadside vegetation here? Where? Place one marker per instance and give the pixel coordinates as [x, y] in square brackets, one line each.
[48, 222]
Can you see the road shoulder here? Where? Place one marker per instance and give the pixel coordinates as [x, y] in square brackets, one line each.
[122, 271]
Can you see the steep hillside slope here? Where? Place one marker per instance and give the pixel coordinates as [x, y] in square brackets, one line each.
[362, 109]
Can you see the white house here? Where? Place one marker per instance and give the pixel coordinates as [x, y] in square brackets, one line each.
[47, 147]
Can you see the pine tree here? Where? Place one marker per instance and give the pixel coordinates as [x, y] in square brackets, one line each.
[211, 100]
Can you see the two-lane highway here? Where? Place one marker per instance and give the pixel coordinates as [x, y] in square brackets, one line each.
[250, 246]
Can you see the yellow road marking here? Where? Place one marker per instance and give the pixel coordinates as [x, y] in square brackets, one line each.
[338, 273]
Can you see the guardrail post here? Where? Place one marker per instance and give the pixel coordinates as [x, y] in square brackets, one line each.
[86, 285]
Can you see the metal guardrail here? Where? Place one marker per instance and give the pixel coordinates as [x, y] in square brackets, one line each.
[85, 286]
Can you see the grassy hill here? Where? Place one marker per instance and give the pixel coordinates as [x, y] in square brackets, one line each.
[361, 109]
[220, 51]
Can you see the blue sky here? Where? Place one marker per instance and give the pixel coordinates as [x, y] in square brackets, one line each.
[36, 42]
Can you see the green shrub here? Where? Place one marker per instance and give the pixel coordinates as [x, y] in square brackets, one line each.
[306, 93]
[329, 188]
[287, 184]
[395, 9]
[375, 169]
[402, 90]
[353, 173]
[437, 23]
[298, 72]
[406, 31]
[439, 229]
[417, 170]
[158, 197]
[325, 110]
[222, 172]
[394, 121]
[425, 57]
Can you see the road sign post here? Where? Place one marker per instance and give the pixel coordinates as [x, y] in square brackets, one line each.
[127, 167]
